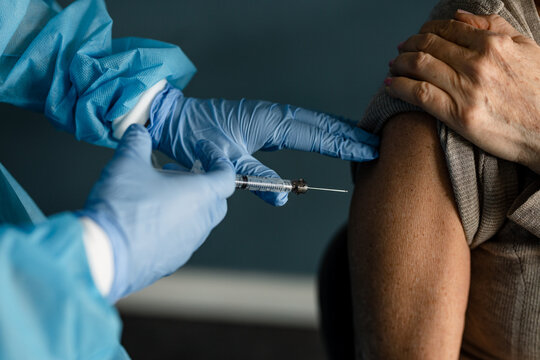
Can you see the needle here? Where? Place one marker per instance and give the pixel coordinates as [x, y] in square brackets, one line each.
[325, 189]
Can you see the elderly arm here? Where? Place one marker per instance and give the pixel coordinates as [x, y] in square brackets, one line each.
[409, 259]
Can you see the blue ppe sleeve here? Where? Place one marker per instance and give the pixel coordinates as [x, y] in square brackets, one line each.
[66, 64]
[16, 206]
[49, 306]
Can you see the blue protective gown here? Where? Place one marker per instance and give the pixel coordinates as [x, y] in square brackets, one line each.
[49, 305]
[65, 64]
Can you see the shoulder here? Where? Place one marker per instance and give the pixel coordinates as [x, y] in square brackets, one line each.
[411, 157]
[411, 134]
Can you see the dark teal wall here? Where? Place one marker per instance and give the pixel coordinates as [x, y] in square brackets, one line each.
[325, 55]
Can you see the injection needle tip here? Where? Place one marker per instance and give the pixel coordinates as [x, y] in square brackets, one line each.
[325, 189]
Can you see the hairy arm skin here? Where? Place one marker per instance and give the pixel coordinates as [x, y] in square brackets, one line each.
[409, 259]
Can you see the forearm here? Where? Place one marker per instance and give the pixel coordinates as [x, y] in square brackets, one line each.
[408, 254]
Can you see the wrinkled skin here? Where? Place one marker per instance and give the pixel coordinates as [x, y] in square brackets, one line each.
[481, 77]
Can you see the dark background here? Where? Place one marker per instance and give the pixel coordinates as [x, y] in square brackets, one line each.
[324, 55]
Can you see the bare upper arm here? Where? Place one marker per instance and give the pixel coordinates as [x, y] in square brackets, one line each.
[411, 172]
[408, 253]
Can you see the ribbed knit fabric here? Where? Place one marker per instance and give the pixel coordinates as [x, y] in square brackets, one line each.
[499, 206]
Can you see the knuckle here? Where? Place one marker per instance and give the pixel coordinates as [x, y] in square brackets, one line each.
[426, 41]
[505, 39]
[477, 67]
[419, 60]
[493, 17]
[487, 42]
[496, 42]
[468, 118]
[447, 27]
[421, 92]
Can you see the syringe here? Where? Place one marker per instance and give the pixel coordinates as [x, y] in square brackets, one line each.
[260, 183]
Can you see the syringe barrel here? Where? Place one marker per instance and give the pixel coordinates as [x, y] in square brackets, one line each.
[259, 183]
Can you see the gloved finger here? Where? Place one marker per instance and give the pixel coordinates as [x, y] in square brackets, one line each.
[335, 125]
[174, 167]
[304, 137]
[218, 214]
[215, 216]
[219, 170]
[248, 165]
[366, 137]
[136, 143]
[253, 111]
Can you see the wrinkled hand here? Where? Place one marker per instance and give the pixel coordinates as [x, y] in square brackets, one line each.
[481, 77]
[156, 220]
[240, 128]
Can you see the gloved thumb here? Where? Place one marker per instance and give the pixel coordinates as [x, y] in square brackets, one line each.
[136, 143]
[494, 23]
[219, 169]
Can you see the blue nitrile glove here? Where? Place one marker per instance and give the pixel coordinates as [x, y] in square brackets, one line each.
[240, 128]
[156, 220]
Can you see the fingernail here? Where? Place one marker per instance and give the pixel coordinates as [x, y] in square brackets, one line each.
[388, 81]
[391, 62]
[400, 45]
[461, 11]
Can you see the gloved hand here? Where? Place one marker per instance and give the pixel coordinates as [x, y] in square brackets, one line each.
[239, 128]
[156, 220]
